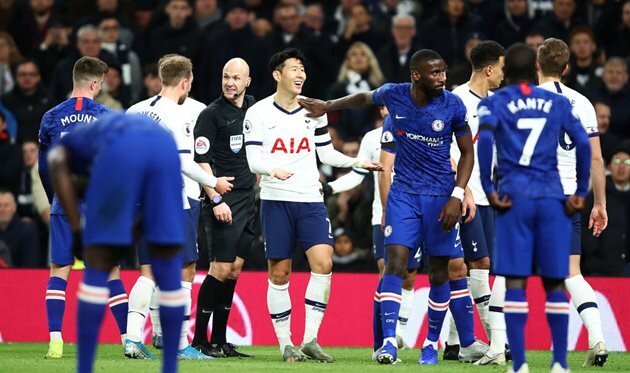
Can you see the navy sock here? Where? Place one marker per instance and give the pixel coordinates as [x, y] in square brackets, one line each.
[462, 311]
[557, 310]
[118, 304]
[55, 302]
[439, 297]
[377, 326]
[93, 295]
[515, 311]
[391, 296]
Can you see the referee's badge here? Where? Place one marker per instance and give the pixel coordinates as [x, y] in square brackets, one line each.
[236, 143]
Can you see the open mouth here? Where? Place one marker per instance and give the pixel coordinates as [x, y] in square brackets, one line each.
[298, 83]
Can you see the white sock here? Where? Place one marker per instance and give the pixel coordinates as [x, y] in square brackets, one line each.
[316, 299]
[154, 309]
[453, 336]
[584, 300]
[279, 305]
[496, 318]
[479, 285]
[183, 338]
[405, 311]
[55, 337]
[139, 298]
[430, 343]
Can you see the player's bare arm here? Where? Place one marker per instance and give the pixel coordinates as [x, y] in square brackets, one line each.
[385, 179]
[598, 219]
[468, 205]
[452, 211]
[316, 108]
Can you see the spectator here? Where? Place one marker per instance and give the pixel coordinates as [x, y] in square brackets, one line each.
[29, 100]
[152, 82]
[233, 38]
[119, 9]
[490, 12]
[20, 236]
[584, 71]
[615, 92]
[34, 22]
[359, 28]
[346, 257]
[384, 12]
[534, 40]
[179, 34]
[342, 15]
[560, 21]
[619, 45]
[110, 93]
[207, 14]
[461, 73]
[607, 254]
[359, 72]
[88, 44]
[11, 156]
[609, 141]
[515, 24]
[394, 57]
[131, 73]
[447, 32]
[25, 206]
[9, 57]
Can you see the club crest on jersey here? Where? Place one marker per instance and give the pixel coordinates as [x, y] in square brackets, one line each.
[386, 137]
[236, 143]
[247, 127]
[387, 231]
[202, 145]
[437, 125]
[188, 129]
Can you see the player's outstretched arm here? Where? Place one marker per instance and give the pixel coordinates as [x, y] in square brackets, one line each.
[598, 220]
[316, 108]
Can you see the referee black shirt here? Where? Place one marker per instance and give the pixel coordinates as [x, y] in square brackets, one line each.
[219, 140]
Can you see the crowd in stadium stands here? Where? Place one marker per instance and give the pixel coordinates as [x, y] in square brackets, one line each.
[350, 46]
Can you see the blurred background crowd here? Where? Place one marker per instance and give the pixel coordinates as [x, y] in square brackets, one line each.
[350, 45]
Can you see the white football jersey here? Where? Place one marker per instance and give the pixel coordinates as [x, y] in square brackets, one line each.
[192, 108]
[168, 114]
[370, 149]
[288, 141]
[471, 100]
[585, 111]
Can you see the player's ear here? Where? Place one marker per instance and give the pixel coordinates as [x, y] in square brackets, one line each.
[415, 75]
[249, 81]
[276, 75]
[565, 71]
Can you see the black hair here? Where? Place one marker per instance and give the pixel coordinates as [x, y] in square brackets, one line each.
[421, 57]
[520, 64]
[486, 53]
[276, 62]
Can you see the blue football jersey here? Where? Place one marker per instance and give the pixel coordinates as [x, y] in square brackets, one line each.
[423, 138]
[527, 121]
[388, 142]
[62, 119]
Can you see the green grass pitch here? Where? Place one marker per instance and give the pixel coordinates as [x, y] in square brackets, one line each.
[28, 357]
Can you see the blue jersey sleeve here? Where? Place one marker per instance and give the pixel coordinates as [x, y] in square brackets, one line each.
[573, 127]
[460, 119]
[380, 96]
[388, 141]
[44, 143]
[487, 124]
[81, 146]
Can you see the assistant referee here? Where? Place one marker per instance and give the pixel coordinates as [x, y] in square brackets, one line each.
[229, 220]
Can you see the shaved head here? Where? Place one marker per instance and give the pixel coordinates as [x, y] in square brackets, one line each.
[235, 80]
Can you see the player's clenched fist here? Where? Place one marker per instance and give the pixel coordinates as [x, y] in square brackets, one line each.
[223, 184]
[499, 203]
[573, 204]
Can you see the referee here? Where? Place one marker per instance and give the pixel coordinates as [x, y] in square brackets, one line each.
[229, 220]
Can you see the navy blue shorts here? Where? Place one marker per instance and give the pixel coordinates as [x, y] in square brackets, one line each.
[533, 232]
[576, 234]
[286, 223]
[476, 234]
[378, 249]
[190, 251]
[412, 221]
[60, 241]
[136, 169]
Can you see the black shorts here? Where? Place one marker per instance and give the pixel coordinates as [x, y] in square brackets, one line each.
[227, 241]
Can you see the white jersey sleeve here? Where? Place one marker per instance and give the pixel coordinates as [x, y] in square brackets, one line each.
[192, 108]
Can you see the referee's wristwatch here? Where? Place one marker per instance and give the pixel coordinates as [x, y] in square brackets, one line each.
[216, 200]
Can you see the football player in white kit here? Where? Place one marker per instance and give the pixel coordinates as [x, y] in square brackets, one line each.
[552, 62]
[477, 232]
[281, 141]
[166, 109]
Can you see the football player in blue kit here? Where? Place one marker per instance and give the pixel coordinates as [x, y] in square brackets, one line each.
[117, 155]
[424, 204]
[533, 225]
[78, 111]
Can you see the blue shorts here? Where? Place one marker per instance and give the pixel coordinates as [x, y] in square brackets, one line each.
[60, 241]
[576, 234]
[476, 234]
[412, 221]
[286, 223]
[190, 251]
[378, 249]
[533, 231]
[139, 168]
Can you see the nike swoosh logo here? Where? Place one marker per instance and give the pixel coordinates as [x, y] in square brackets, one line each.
[399, 117]
[389, 314]
[231, 121]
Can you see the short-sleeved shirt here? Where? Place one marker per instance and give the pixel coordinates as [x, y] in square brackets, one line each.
[423, 138]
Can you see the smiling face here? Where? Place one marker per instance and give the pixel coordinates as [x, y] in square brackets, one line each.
[358, 60]
[430, 76]
[291, 77]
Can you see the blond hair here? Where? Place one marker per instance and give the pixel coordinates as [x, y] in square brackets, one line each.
[172, 68]
[375, 75]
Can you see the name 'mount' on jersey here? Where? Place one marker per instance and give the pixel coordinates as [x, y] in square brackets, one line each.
[423, 138]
